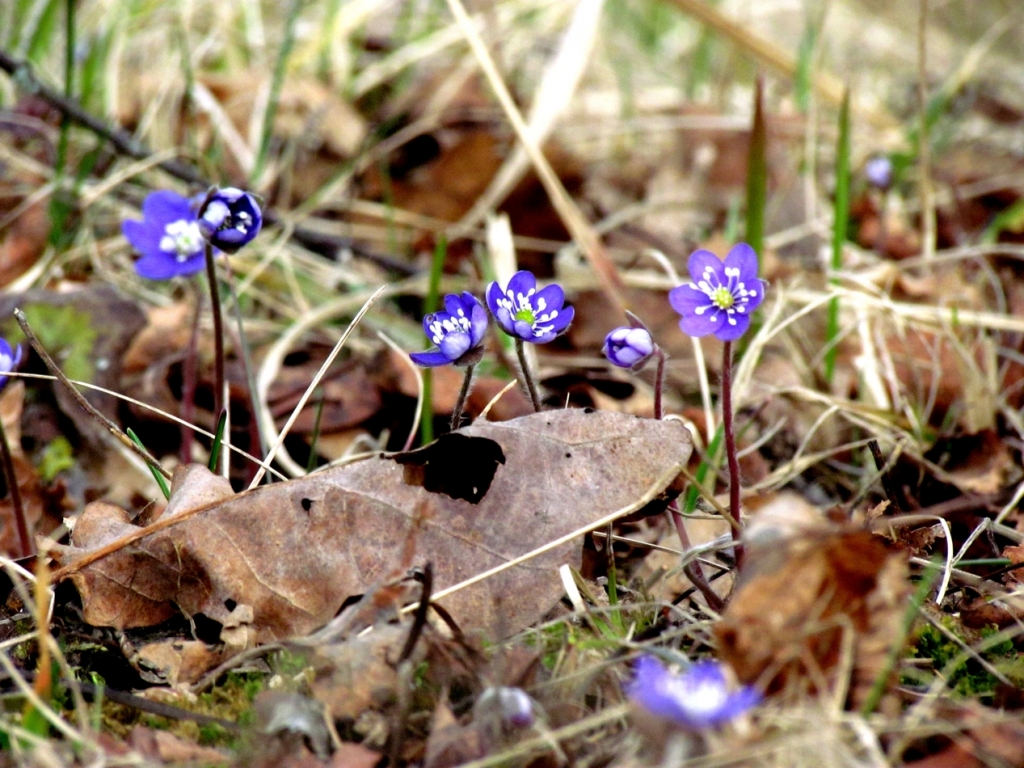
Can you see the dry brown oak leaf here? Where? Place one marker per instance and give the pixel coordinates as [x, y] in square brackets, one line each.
[293, 552]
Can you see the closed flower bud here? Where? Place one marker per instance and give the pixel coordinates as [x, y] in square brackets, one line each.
[629, 347]
[230, 218]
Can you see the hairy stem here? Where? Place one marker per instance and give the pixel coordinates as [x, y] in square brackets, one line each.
[460, 404]
[218, 334]
[531, 388]
[659, 384]
[694, 570]
[730, 449]
[24, 539]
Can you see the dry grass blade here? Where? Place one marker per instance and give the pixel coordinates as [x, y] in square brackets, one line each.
[570, 213]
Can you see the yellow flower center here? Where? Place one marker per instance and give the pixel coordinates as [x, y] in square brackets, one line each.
[722, 297]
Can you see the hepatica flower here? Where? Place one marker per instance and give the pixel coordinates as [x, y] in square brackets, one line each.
[230, 218]
[629, 347]
[698, 698]
[457, 331]
[9, 360]
[722, 294]
[526, 313]
[168, 237]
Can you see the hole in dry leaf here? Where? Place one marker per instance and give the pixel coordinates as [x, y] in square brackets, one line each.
[230, 604]
[456, 465]
[307, 504]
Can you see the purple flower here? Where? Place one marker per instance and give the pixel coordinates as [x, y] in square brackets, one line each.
[629, 347]
[878, 171]
[9, 360]
[723, 293]
[230, 218]
[695, 699]
[526, 313]
[168, 237]
[458, 331]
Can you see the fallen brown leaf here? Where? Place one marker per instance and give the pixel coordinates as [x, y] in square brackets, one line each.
[802, 598]
[293, 552]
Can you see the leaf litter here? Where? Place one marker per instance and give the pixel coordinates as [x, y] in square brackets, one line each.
[315, 604]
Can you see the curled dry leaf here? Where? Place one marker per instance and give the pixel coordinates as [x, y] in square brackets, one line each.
[805, 598]
[293, 552]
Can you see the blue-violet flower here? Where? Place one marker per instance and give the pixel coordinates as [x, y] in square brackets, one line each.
[168, 237]
[629, 347]
[722, 294]
[458, 331]
[526, 313]
[878, 171]
[697, 698]
[9, 360]
[230, 218]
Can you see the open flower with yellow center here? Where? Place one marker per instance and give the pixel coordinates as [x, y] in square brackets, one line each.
[522, 311]
[722, 294]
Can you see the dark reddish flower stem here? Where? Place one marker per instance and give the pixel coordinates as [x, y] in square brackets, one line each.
[694, 570]
[730, 450]
[531, 388]
[24, 539]
[460, 404]
[218, 334]
[659, 383]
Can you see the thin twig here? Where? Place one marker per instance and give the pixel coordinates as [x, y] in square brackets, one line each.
[694, 570]
[89, 408]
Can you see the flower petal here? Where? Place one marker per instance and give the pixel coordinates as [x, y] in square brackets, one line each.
[561, 322]
[702, 325]
[455, 345]
[165, 206]
[730, 331]
[547, 299]
[687, 300]
[477, 323]
[744, 258]
[524, 331]
[429, 359]
[493, 295]
[522, 282]
[700, 260]
[157, 267]
[144, 236]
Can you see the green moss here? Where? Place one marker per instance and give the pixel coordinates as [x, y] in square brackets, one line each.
[969, 679]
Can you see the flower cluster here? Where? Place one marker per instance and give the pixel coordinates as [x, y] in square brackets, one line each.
[698, 698]
[520, 310]
[174, 230]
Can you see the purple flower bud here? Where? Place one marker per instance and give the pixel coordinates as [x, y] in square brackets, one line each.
[9, 360]
[230, 218]
[629, 347]
[458, 331]
[722, 294]
[504, 709]
[698, 698]
[878, 171]
[168, 237]
[526, 313]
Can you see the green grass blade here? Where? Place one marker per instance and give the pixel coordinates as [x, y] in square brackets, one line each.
[714, 454]
[218, 441]
[156, 474]
[315, 437]
[757, 173]
[276, 82]
[841, 219]
[430, 304]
